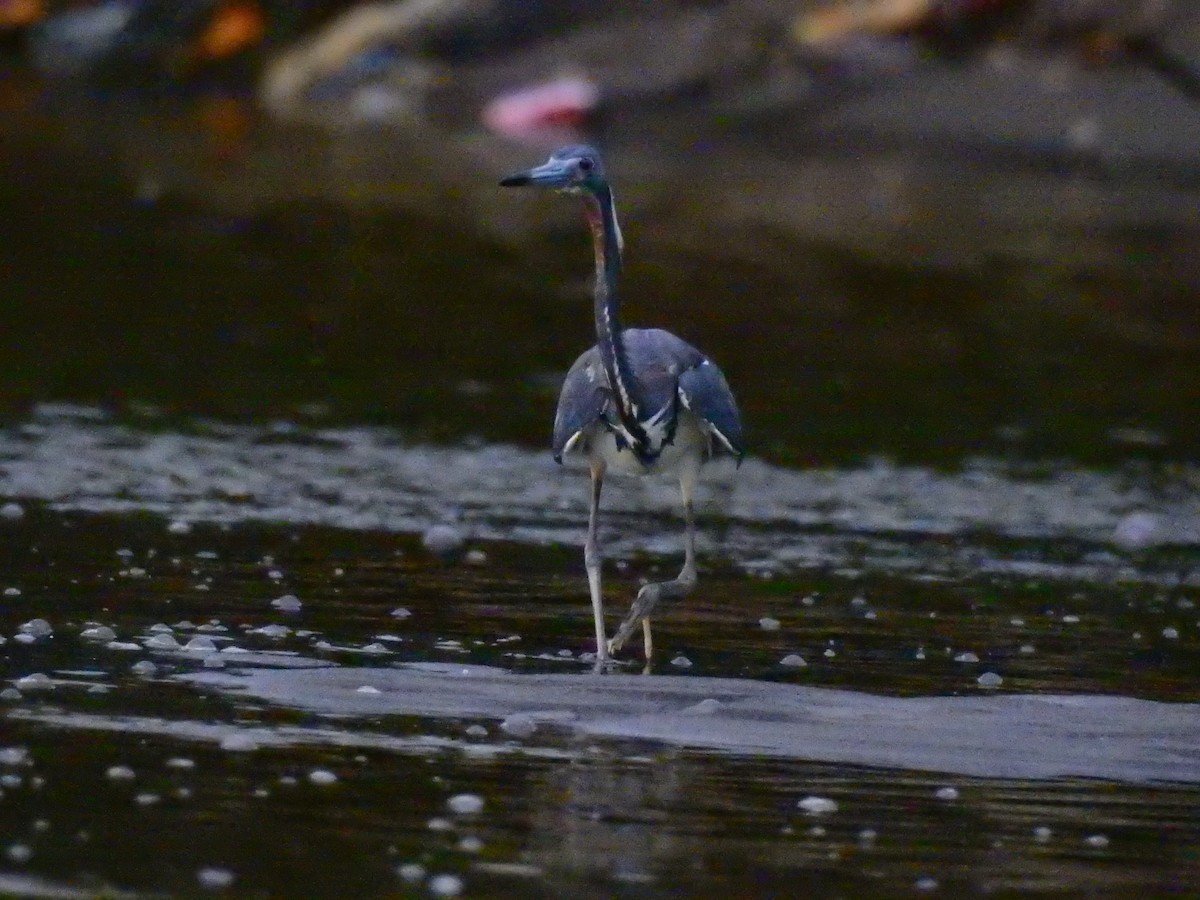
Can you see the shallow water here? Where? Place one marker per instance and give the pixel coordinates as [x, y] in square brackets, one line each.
[945, 639]
[413, 680]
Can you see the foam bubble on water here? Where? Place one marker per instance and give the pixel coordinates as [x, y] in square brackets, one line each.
[443, 540]
[179, 526]
[470, 844]
[201, 644]
[1135, 531]
[476, 731]
[411, 872]
[465, 804]
[213, 878]
[37, 681]
[1170, 634]
[705, 707]
[24, 638]
[1098, 841]
[288, 603]
[274, 632]
[445, 885]
[518, 725]
[946, 793]
[475, 558]
[681, 662]
[967, 657]
[146, 799]
[989, 680]
[120, 773]
[145, 668]
[161, 642]
[19, 853]
[817, 805]
[12, 592]
[160, 628]
[238, 743]
[926, 884]
[439, 823]
[15, 756]
[322, 777]
[122, 646]
[1042, 834]
[793, 661]
[367, 689]
[766, 623]
[37, 628]
[12, 512]
[401, 613]
[98, 633]
[180, 762]
[11, 695]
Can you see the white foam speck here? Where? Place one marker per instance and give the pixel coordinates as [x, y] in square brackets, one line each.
[817, 805]
[288, 603]
[445, 885]
[411, 872]
[213, 878]
[465, 804]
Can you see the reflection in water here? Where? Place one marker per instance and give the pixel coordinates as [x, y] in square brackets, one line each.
[604, 817]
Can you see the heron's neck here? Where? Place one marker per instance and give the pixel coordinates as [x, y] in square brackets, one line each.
[607, 241]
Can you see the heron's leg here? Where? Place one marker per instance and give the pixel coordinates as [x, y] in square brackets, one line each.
[650, 594]
[591, 561]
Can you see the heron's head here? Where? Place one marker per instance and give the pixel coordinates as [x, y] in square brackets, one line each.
[574, 170]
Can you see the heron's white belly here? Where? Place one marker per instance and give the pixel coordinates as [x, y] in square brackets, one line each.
[689, 448]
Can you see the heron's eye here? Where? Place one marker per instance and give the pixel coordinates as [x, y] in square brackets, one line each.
[585, 165]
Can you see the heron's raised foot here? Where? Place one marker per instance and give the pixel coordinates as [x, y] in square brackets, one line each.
[647, 599]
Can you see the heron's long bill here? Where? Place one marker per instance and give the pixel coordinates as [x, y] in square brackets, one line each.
[554, 173]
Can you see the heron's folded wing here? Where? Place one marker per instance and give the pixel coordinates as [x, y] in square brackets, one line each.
[704, 391]
[581, 403]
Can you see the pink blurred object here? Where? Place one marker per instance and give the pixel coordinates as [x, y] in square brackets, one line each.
[550, 106]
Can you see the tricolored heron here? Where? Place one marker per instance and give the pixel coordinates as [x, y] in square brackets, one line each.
[640, 402]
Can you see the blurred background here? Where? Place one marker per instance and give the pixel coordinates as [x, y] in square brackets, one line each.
[922, 228]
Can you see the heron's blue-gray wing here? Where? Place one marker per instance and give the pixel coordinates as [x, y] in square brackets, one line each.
[581, 403]
[704, 391]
